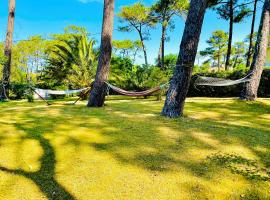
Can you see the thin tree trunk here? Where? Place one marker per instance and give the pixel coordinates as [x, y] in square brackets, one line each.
[161, 55]
[163, 45]
[143, 46]
[235, 61]
[98, 92]
[219, 59]
[8, 52]
[218, 63]
[249, 54]
[230, 37]
[134, 55]
[176, 95]
[251, 88]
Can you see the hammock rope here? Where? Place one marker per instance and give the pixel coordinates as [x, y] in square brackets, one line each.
[137, 94]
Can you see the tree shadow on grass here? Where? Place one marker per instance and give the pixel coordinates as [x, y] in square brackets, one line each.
[240, 165]
[251, 112]
[163, 155]
[44, 177]
[136, 135]
[143, 140]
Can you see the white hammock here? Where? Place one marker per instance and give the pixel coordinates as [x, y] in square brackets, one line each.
[46, 93]
[219, 82]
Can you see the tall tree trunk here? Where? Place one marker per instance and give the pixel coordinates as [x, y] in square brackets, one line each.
[219, 59]
[143, 46]
[249, 54]
[230, 37]
[235, 61]
[99, 89]
[161, 54]
[251, 88]
[8, 52]
[218, 63]
[176, 95]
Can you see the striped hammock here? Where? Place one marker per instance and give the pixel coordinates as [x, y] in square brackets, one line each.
[136, 94]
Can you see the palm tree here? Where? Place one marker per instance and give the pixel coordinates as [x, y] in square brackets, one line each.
[75, 57]
[98, 92]
[180, 81]
[8, 46]
[251, 88]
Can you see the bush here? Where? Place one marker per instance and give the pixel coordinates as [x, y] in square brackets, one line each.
[264, 89]
[30, 98]
[18, 91]
[29, 94]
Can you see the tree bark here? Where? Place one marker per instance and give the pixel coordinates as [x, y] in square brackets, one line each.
[249, 54]
[99, 89]
[179, 84]
[8, 52]
[143, 46]
[228, 57]
[251, 88]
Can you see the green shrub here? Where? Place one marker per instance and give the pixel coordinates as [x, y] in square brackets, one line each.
[264, 89]
[30, 98]
[18, 91]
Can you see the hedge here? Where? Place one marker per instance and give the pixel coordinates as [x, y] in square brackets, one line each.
[19, 91]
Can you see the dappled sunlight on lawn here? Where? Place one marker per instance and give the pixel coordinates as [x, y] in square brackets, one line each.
[126, 150]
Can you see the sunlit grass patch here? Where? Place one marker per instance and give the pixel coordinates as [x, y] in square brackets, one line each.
[127, 150]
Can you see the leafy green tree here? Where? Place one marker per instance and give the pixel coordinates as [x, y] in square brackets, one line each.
[16, 73]
[124, 46]
[164, 11]
[217, 47]
[137, 17]
[127, 48]
[235, 12]
[239, 50]
[29, 58]
[73, 58]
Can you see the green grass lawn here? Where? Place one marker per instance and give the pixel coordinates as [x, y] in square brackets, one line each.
[126, 150]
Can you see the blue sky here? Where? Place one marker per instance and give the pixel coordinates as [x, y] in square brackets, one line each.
[51, 16]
